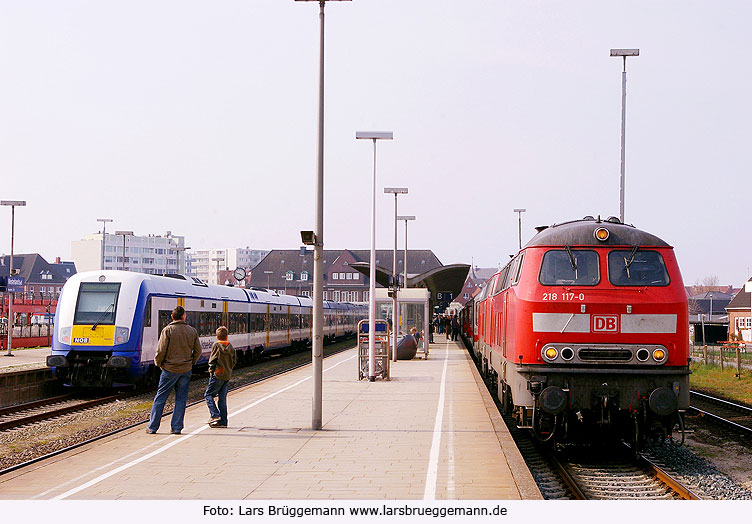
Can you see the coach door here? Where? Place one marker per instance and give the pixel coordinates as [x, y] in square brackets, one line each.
[287, 321]
[268, 325]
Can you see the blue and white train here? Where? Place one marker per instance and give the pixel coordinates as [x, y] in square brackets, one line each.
[108, 323]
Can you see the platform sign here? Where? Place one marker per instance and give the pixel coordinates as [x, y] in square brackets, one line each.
[16, 284]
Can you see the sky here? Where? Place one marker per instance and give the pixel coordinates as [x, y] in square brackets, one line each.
[200, 118]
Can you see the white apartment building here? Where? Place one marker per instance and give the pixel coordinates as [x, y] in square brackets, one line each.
[152, 254]
[207, 263]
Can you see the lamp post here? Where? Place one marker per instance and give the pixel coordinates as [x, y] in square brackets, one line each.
[179, 250]
[395, 284]
[104, 227]
[406, 218]
[125, 234]
[624, 53]
[317, 345]
[372, 135]
[268, 274]
[519, 216]
[12, 204]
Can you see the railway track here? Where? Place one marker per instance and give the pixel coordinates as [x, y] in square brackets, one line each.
[40, 410]
[612, 478]
[728, 414]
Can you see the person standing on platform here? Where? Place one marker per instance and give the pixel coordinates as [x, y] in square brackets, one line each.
[178, 351]
[221, 363]
[455, 327]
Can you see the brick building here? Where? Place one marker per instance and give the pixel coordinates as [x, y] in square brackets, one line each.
[290, 271]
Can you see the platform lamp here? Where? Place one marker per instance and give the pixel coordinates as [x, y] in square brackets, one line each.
[372, 135]
[13, 204]
[125, 234]
[406, 218]
[104, 232]
[624, 53]
[317, 345]
[395, 283]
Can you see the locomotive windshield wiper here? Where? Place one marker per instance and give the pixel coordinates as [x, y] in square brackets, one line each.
[101, 317]
[572, 260]
[628, 263]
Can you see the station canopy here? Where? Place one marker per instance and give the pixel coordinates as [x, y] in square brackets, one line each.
[442, 279]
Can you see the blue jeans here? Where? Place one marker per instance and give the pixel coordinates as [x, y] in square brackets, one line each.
[217, 388]
[167, 382]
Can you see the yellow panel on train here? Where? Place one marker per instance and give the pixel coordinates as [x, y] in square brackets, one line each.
[85, 336]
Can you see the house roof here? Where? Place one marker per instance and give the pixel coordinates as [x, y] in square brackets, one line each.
[740, 301]
[31, 267]
[280, 261]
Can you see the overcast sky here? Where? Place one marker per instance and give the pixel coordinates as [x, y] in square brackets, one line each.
[199, 117]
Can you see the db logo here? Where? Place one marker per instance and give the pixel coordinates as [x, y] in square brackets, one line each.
[605, 324]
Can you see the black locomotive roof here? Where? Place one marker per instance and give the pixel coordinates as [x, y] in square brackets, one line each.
[582, 233]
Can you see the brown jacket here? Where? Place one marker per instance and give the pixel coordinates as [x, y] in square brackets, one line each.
[222, 360]
[178, 349]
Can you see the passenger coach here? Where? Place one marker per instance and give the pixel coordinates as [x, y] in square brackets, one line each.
[108, 323]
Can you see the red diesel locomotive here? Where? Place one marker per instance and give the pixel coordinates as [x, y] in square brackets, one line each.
[584, 332]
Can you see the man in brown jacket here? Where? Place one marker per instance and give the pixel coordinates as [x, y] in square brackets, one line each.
[177, 352]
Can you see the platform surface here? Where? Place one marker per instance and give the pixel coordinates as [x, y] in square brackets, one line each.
[430, 433]
[24, 359]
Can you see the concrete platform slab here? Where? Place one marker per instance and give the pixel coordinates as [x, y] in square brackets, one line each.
[430, 433]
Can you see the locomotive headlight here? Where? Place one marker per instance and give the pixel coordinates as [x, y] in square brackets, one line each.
[601, 234]
[551, 353]
[659, 355]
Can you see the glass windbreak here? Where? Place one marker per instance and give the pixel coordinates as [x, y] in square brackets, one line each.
[573, 267]
[634, 267]
[97, 303]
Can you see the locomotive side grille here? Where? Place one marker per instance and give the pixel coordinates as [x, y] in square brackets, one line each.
[601, 354]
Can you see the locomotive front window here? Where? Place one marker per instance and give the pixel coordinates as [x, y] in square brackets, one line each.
[570, 267]
[97, 303]
[635, 267]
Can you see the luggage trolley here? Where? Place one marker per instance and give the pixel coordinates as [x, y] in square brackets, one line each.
[381, 348]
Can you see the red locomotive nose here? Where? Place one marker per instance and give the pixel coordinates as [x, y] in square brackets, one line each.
[586, 304]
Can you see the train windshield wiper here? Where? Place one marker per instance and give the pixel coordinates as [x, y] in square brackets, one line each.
[101, 317]
[628, 263]
[572, 260]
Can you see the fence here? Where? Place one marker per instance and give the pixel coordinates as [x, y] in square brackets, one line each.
[732, 355]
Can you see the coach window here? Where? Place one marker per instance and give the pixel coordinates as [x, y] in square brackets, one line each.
[635, 267]
[518, 268]
[570, 267]
[500, 281]
[147, 313]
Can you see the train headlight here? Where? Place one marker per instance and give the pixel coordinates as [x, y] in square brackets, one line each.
[642, 354]
[567, 353]
[64, 335]
[551, 353]
[121, 335]
[659, 355]
[601, 234]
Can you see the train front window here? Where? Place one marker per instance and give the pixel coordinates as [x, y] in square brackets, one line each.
[97, 303]
[570, 267]
[635, 267]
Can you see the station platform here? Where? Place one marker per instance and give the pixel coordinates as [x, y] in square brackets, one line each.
[432, 432]
[24, 359]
